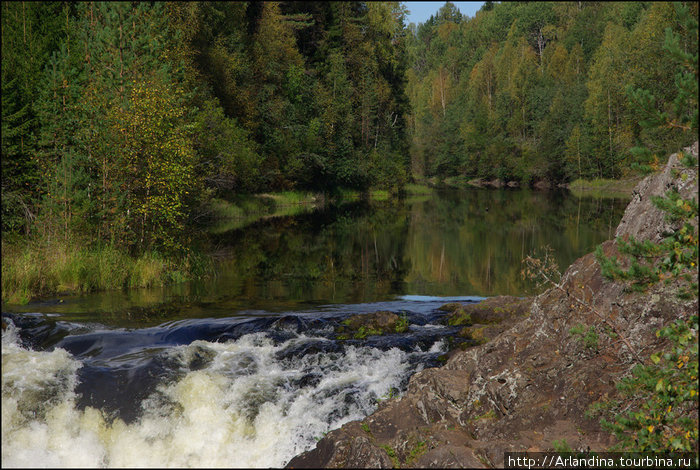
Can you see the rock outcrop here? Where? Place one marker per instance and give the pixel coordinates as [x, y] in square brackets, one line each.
[532, 383]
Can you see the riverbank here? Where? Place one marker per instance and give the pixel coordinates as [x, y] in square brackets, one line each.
[34, 269]
[242, 210]
[598, 187]
[601, 187]
[544, 383]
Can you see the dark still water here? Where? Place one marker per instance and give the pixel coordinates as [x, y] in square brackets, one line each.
[245, 369]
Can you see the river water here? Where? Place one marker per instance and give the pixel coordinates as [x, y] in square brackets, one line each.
[244, 370]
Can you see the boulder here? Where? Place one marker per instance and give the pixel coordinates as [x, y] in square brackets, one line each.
[377, 323]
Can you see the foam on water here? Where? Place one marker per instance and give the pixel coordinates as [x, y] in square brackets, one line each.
[234, 404]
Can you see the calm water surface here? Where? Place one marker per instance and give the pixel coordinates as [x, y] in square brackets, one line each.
[244, 369]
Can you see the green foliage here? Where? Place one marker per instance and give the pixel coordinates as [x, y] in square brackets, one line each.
[651, 262]
[392, 455]
[30, 32]
[229, 161]
[678, 251]
[561, 446]
[677, 113]
[39, 268]
[365, 331]
[588, 336]
[662, 413]
[156, 168]
[121, 121]
[665, 395]
[536, 91]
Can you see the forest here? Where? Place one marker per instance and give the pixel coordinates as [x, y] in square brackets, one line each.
[123, 121]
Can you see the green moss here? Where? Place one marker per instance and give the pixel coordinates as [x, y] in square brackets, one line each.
[588, 336]
[362, 326]
[459, 318]
[392, 455]
[450, 307]
[476, 334]
[401, 324]
[364, 332]
[416, 452]
[490, 414]
[561, 446]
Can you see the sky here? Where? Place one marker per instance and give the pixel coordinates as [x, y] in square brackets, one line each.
[421, 11]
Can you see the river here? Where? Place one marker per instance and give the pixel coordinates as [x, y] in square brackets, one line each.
[244, 369]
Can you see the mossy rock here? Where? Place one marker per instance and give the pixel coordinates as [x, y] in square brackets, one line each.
[378, 323]
[475, 333]
[451, 307]
[459, 317]
[492, 310]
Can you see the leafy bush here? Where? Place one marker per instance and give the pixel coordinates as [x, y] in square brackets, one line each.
[662, 397]
[661, 407]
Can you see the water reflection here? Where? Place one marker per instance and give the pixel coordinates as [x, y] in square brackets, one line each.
[455, 243]
[452, 243]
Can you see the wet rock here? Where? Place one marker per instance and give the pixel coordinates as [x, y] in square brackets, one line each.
[349, 449]
[291, 323]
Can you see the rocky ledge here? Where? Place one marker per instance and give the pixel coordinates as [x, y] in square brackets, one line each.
[530, 382]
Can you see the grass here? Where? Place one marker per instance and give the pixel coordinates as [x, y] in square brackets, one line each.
[392, 455]
[379, 195]
[38, 268]
[459, 181]
[420, 449]
[287, 198]
[244, 210]
[605, 188]
[489, 415]
[417, 189]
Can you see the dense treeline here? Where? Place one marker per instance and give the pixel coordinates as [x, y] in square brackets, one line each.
[530, 91]
[122, 119]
